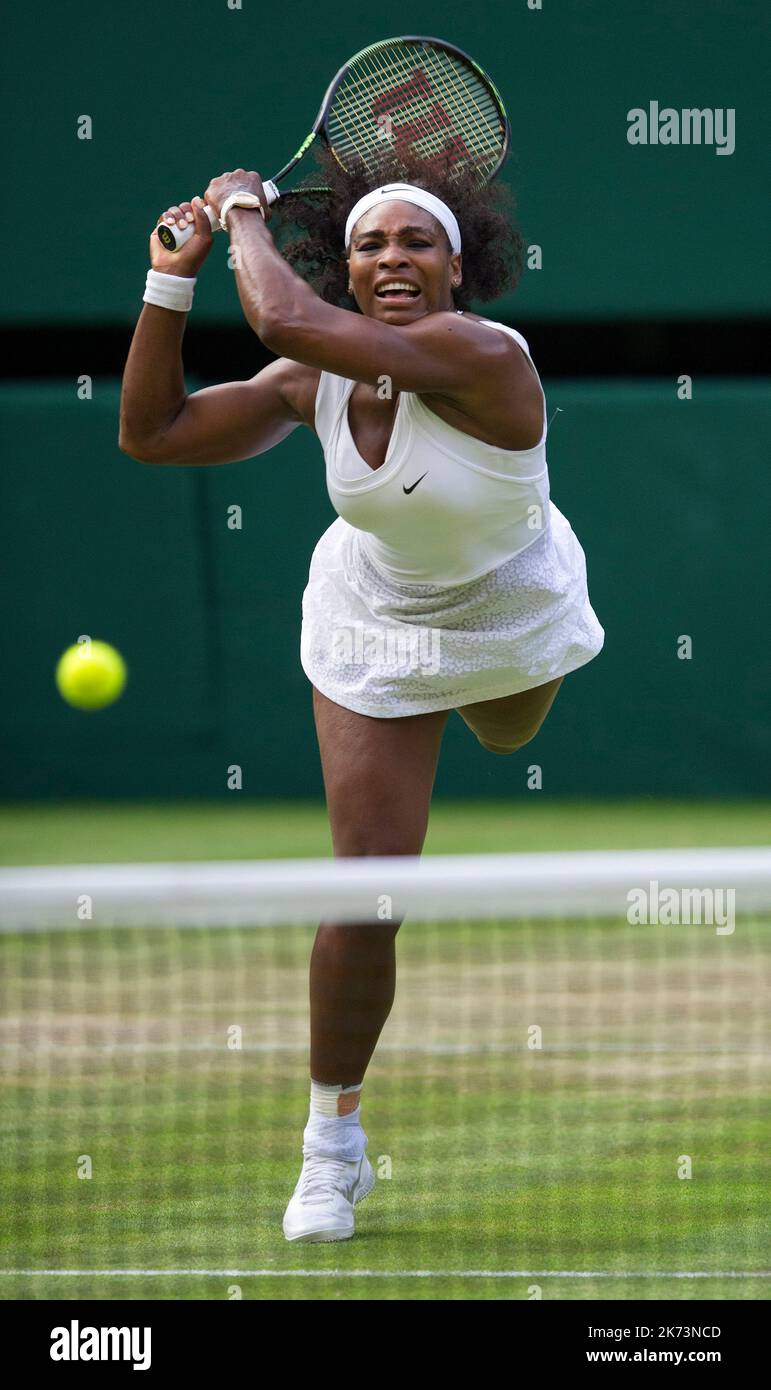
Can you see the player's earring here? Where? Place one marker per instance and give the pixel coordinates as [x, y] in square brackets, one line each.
[456, 281]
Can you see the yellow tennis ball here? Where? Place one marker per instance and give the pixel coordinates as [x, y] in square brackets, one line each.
[90, 675]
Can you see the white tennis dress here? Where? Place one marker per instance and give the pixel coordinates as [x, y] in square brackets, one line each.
[448, 577]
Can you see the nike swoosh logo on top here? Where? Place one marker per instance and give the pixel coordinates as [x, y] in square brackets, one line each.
[414, 485]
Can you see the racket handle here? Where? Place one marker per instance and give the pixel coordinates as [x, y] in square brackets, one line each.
[174, 237]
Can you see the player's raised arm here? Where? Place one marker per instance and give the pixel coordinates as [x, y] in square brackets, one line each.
[159, 421]
[435, 352]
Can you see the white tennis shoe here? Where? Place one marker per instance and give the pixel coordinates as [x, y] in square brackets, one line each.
[321, 1207]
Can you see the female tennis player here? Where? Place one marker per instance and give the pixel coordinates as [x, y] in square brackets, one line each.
[449, 580]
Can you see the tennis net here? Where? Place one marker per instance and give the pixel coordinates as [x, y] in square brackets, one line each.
[571, 1034]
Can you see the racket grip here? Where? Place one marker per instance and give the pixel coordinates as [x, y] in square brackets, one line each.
[174, 237]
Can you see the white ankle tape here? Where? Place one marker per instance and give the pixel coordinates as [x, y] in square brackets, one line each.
[328, 1100]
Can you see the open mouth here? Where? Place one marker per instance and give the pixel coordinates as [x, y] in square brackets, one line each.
[398, 290]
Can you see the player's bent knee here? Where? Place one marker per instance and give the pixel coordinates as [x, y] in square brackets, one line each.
[513, 746]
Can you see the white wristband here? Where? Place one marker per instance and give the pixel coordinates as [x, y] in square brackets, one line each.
[169, 291]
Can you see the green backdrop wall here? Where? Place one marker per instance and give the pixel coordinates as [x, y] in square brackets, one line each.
[177, 96]
[669, 498]
[664, 494]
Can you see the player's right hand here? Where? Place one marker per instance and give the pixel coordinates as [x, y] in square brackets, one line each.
[190, 257]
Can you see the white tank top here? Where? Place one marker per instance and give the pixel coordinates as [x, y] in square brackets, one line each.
[443, 508]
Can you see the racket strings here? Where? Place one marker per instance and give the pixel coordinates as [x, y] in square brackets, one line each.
[423, 124]
[467, 98]
[456, 93]
[429, 82]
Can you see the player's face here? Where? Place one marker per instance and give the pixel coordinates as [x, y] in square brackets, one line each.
[400, 264]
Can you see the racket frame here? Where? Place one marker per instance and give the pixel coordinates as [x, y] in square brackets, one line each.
[319, 129]
[319, 125]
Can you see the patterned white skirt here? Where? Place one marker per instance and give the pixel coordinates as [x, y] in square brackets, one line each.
[390, 650]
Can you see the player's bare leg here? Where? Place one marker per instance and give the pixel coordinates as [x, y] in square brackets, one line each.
[378, 778]
[504, 725]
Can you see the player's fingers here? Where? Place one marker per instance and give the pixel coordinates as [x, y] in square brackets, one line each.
[177, 214]
[201, 220]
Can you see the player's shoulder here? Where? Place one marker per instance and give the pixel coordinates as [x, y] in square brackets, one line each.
[465, 326]
[498, 358]
[504, 343]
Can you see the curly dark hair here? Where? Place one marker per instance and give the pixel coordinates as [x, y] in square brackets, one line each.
[493, 247]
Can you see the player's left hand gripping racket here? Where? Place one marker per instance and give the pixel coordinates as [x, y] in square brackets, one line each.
[412, 94]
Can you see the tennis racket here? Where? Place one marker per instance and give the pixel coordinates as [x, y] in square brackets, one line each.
[407, 94]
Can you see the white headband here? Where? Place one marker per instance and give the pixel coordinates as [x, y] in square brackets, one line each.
[405, 193]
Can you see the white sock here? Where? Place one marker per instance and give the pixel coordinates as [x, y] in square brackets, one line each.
[334, 1123]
